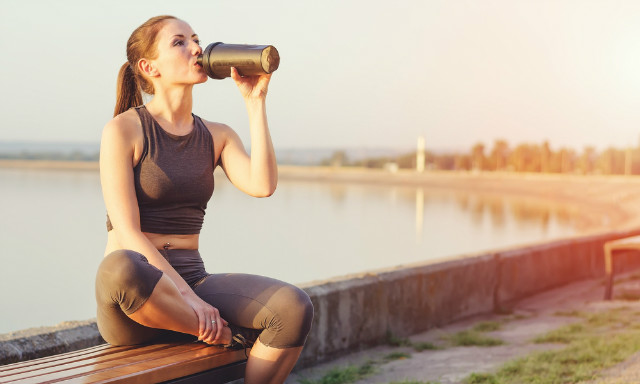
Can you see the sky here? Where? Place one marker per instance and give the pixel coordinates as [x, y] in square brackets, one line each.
[353, 74]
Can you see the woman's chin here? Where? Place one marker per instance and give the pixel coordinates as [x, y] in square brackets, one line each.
[202, 79]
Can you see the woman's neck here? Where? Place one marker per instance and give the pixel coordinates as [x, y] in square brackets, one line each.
[173, 107]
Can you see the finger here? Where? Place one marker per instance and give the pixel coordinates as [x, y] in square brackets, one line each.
[201, 324]
[211, 336]
[225, 336]
[234, 74]
[219, 327]
[210, 328]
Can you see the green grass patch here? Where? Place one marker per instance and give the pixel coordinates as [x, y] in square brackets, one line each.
[344, 375]
[503, 310]
[397, 356]
[419, 346]
[424, 346]
[396, 341]
[472, 338]
[481, 378]
[600, 341]
[563, 335]
[573, 313]
[628, 296]
[487, 326]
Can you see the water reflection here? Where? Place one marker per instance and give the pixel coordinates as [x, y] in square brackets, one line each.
[419, 214]
[498, 211]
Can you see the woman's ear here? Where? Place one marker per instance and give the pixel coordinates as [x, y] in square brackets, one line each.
[146, 67]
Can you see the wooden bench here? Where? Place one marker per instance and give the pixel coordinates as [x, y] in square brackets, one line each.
[625, 244]
[178, 362]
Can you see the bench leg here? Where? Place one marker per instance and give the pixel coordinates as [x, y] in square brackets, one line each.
[608, 269]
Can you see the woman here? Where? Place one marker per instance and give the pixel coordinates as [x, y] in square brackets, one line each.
[156, 169]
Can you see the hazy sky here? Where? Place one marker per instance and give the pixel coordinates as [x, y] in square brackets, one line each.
[359, 74]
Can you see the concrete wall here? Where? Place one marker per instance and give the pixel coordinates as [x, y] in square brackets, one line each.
[360, 311]
[356, 312]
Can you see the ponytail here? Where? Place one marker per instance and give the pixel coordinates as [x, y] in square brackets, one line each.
[128, 91]
[131, 83]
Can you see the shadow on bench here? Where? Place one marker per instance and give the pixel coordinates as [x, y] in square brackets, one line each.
[180, 362]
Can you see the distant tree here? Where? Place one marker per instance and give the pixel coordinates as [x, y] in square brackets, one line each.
[477, 156]
[337, 159]
[545, 157]
[525, 158]
[499, 155]
[611, 162]
[407, 161]
[587, 161]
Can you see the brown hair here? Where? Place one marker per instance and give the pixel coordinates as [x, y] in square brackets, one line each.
[141, 44]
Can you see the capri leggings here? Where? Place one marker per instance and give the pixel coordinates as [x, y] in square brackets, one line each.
[125, 280]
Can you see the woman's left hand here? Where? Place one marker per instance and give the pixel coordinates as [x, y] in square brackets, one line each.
[251, 87]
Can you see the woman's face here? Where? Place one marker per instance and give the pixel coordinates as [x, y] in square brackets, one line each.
[178, 48]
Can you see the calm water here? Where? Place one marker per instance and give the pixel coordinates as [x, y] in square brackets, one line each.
[52, 234]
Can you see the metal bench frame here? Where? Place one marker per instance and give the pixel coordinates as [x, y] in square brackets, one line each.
[625, 244]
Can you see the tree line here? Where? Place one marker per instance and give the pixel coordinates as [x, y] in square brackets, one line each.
[526, 157]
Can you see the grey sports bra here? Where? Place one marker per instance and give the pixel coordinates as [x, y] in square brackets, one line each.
[174, 177]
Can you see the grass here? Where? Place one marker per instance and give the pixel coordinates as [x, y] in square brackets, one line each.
[397, 341]
[397, 356]
[424, 346]
[405, 342]
[564, 335]
[481, 378]
[599, 341]
[473, 338]
[628, 296]
[487, 326]
[573, 313]
[344, 375]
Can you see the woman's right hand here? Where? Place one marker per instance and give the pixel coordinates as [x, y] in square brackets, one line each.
[212, 329]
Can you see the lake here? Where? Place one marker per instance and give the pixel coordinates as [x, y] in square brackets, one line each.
[52, 234]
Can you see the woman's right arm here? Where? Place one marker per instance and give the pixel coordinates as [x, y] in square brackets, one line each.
[117, 148]
[116, 176]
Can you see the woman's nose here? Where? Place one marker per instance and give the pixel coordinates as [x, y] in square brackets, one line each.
[197, 50]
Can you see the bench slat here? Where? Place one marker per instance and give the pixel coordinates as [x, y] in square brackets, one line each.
[167, 368]
[154, 363]
[99, 350]
[58, 367]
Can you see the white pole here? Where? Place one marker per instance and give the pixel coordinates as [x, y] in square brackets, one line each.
[420, 155]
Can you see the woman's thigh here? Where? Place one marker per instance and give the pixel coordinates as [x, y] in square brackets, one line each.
[282, 310]
[124, 281]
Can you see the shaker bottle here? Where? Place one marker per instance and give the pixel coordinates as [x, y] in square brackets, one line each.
[250, 60]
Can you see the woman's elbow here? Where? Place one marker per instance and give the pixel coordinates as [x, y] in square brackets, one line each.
[265, 190]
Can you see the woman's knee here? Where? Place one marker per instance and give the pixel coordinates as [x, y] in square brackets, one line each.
[293, 315]
[127, 279]
[120, 267]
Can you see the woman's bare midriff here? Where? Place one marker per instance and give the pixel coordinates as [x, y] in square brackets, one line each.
[159, 241]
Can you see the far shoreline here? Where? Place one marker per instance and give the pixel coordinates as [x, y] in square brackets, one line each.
[616, 198]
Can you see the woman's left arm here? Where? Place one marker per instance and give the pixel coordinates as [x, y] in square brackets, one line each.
[257, 174]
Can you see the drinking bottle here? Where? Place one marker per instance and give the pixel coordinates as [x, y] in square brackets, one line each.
[250, 60]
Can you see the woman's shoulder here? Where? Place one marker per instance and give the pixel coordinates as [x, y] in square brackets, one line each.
[125, 125]
[217, 129]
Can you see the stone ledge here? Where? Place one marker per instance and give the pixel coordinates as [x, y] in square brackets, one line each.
[46, 341]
